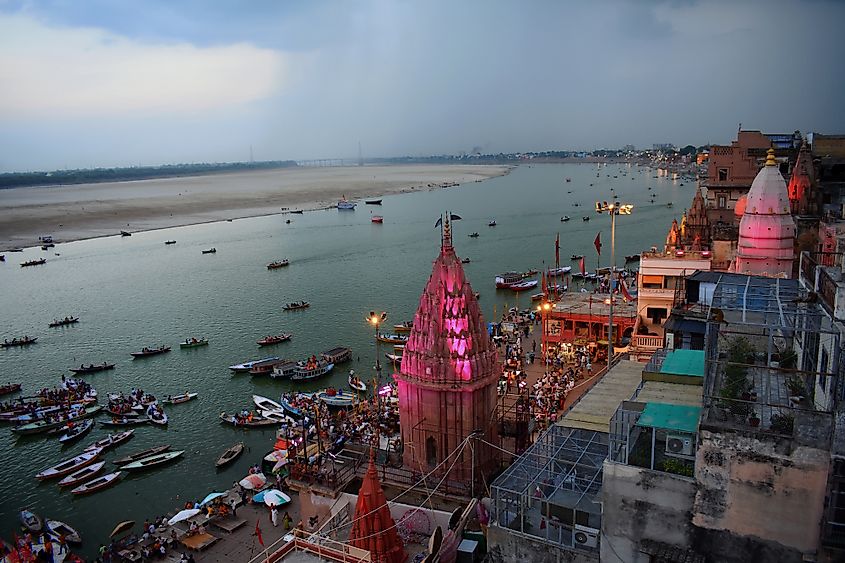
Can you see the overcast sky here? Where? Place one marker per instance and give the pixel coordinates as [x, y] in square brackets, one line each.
[87, 83]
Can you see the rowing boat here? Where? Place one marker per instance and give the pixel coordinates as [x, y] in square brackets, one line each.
[141, 455]
[111, 440]
[177, 399]
[59, 529]
[82, 475]
[97, 484]
[230, 455]
[266, 404]
[152, 461]
[69, 465]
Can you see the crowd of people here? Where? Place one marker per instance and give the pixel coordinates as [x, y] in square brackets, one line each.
[27, 548]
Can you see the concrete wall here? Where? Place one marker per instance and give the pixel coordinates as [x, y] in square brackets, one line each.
[507, 547]
[642, 504]
[761, 491]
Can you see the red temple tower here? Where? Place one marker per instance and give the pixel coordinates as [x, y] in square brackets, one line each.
[800, 188]
[373, 528]
[447, 381]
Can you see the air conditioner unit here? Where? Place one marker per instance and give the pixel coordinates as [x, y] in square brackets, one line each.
[586, 536]
[679, 444]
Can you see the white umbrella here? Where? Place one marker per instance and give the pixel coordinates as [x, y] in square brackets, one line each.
[183, 515]
[210, 497]
[275, 496]
[253, 481]
[279, 464]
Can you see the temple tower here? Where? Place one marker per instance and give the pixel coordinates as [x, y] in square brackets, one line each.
[766, 230]
[802, 199]
[447, 381]
[373, 528]
[698, 226]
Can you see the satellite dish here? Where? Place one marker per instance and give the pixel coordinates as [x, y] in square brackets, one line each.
[456, 516]
[435, 541]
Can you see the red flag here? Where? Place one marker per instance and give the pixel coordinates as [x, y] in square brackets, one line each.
[597, 242]
[583, 269]
[625, 295]
[557, 250]
[258, 534]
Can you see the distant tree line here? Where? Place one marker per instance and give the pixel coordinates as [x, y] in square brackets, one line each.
[95, 175]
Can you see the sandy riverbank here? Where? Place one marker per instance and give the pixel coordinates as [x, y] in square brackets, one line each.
[92, 210]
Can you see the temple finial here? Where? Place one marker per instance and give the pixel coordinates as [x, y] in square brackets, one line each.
[770, 158]
[446, 237]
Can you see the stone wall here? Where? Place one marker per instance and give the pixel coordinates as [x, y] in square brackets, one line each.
[759, 493]
[641, 504]
[508, 547]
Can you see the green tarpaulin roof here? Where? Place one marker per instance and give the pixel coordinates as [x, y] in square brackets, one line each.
[683, 418]
[684, 362]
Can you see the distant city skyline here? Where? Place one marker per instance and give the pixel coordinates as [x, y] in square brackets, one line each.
[100, 84]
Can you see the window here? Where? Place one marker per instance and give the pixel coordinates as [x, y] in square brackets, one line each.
[721, 204]
[651, 282]
[723, 174]
[431, 451]
[656, 314]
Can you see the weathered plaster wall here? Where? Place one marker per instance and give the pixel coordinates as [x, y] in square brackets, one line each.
[643, 504]
[761, 489]
[507, 547]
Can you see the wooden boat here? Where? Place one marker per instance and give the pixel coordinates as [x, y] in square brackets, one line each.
[337, 355]
[266, 404]
[33, 262]
[77, 432]
[632, 258]
[246, 366]
[193, 343]
[585, 218]
[473, 235]
[396, 358]
[58, 529]
[126, 420]
[284, 369]
[111, 440]
[230, 455]
[355, 383]
[538, 296]
[82, 475]
[523, 285]
[98, 484]
[278, 416]
[141, 455]
[170, 242]
[576, 256]
[25, 341]
[554, 272]
[270, 340]
[45, 425]
[83, 369]
[372, 201]
[158, 417]
[564, 219]
[178, 399]
[377, 219]
[297, 211]
[256, 422]
[209, 251]
[265, 368]
[296, 305]
[403, 328]
[10, 388]
[117, 413]
[150, 351]
[69, 466]
[466, 261]
[293, 411]
[278, 264]
[125, 234]
[65, 321]
[31, 521]
[337, 399]
[392, 338]
[303, 373]
[491, 223]
[153, 460]
[345, 205]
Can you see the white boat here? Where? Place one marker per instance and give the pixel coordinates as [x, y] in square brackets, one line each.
[84, 474]
[302, 372]
[560, 271]
[334, 398]
[278, 416]
[263, 403]
[97, 484]
[176, 399]
[111, 440]
[355, 383]
[345, 204]
[523, 285]
[69, 466]
[394, 358]
[59, 529]
[246, 366]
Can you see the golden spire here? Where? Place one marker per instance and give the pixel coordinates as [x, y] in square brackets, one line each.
[770, 158]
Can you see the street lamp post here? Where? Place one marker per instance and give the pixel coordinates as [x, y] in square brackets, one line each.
[614, 209]
[375, 319]
[543, 311]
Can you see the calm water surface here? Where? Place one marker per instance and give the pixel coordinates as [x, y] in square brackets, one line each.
[135, 291]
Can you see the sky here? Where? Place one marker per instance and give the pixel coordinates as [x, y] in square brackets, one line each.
[101, 83]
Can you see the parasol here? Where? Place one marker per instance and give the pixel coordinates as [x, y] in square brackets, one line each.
[253, 481]
[183, 515]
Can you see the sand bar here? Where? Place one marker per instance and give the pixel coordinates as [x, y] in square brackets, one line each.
[83, 211]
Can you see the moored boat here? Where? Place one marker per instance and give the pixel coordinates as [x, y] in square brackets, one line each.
[25, 341]
[373, 201]
[270, 340]
[403, 327]
[125, 234]
[576, 256]
[46, 425]
[126, 420]
[246, 366]
[76, 431]
[392, 338]
[284, 369]
[97, 484]
[83, 369]
[523, 285]
[82, 475]
[141, 455]
[355, 383]
[59, 529]
[554, 272]
[296, 305]
[193, 343]
[345, 205]
[10, 388]
[337, 355]
[68, 466]
[337, 398]
[157, 416]
[308, 370]
[377, 219]
[209, 251]
[278, 264]
[395, 358]
[177, 399]
[111, 440]
[230, 455]
[265, 403]
[279, 416]
[466, 261]
[63, 322]
[251, 421]
[153, 460]
[170, 242]
[31, 521]
[492, 223]
[565, 218]
[265, 368]
[473, 235]
[150, 351]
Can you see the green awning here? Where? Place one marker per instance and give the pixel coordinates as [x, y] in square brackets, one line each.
[684, 362]
[682, 418]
